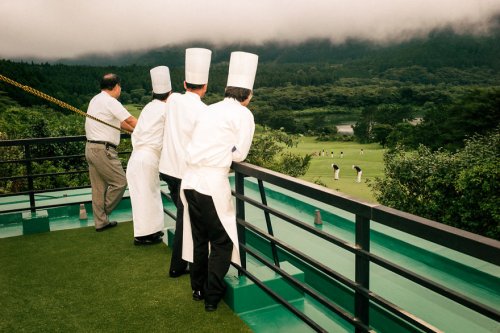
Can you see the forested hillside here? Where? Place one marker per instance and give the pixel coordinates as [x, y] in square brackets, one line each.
[312, 87]
[441, 48]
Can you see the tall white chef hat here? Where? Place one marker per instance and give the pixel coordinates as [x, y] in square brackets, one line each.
[197, 65]
[160, 79]
[242, 69]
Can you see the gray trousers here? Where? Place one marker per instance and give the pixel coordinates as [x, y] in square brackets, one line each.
[107, 179]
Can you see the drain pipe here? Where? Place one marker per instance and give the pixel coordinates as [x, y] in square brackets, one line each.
[317, 218]
[83, 212]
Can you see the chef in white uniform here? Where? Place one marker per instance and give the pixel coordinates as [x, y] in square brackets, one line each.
[142, 169]
[182, 112]
[222, 134]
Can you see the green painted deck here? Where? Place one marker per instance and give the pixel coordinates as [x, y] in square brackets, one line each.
[472, 277]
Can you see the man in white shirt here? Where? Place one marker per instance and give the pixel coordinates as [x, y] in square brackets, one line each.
[222, 134]
[142, 169]
[106, 173]
[182, 112]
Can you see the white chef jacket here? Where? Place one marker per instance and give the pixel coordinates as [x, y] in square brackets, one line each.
[106, 108]
[182, 112]
[222, 134]
[142, 170]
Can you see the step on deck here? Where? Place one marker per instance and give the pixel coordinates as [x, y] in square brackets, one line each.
[35, 222]
[242, 295]
[264, 314]
[261, 312]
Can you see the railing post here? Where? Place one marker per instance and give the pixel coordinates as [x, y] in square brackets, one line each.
[29, 172]
[362, 271]
[240, 214]
[268, 223]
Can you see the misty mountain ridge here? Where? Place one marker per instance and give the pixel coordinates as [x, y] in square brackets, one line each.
[442, 48]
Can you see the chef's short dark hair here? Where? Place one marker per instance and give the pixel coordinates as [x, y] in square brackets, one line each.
[109, 81]
[162, 97]
[193, 86]
[239, 94]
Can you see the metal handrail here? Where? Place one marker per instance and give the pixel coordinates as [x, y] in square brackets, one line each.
[477, 246]
[474, 245]
[28, 161]
[462, 299]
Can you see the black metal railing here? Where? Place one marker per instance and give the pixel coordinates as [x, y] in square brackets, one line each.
[28, 153]
[465, 242]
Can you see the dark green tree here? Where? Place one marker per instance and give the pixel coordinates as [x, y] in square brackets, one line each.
[459, 189]
[268, 150]
[363, 127]
[476, 112]
[381, 132]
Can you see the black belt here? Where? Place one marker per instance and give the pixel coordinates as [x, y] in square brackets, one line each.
[107, 144]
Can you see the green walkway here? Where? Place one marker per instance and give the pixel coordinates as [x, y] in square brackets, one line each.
[82, 281]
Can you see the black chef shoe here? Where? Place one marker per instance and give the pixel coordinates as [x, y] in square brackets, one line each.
[147, 240]
[107, 226]
[175, 273]
[210, 307]
[198, 295]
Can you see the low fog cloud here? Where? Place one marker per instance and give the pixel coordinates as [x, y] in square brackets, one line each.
[57, 29]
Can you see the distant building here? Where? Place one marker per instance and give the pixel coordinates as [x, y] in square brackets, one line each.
[345, 129]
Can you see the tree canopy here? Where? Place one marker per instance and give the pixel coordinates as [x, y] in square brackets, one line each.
[459, 189]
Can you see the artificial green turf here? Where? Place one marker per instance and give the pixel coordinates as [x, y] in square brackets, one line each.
[82, 281]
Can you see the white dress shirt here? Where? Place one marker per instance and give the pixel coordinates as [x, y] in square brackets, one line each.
[110, 110]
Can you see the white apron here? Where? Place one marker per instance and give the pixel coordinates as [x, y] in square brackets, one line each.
[144, 189]
[218, 185]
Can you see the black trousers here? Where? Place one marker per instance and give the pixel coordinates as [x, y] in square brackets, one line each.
[174, 185]
[208, 271]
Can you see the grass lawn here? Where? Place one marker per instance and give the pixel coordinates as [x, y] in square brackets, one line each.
[82, 281]
[370, 162]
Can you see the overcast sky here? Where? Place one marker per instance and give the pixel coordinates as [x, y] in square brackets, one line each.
[68, 28]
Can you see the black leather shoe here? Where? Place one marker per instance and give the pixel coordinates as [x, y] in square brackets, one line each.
[210, 307]
[147, 240]
[198, 295]
[107, 226]
[176, 274]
